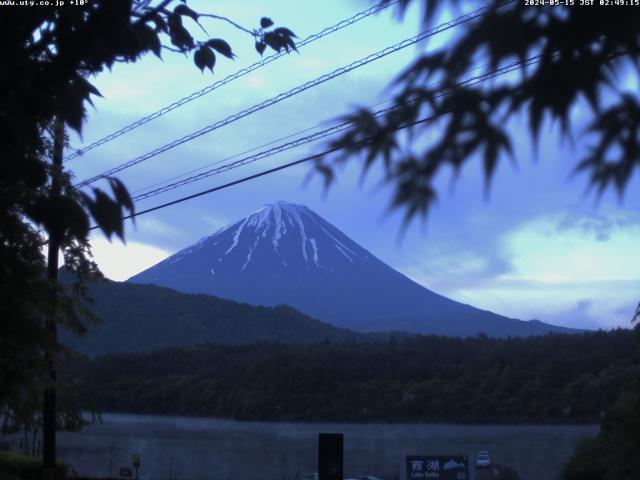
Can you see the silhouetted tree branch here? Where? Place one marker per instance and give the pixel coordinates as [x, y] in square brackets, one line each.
[49, 57]
[581, 53]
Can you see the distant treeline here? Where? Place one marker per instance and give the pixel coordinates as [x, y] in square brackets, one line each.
[552, 378]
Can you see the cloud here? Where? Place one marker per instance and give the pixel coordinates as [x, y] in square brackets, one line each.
[576, 248]
[119, 261]
[579, 316]
[576, 268]
[451, 270]
[594, 224]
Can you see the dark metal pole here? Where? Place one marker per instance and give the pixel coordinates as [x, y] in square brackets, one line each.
[330, 456]
[49, 400]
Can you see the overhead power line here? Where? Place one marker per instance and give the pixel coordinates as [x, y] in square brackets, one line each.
[232, 157]
[231, 184]
[257, 148]
[318, 135]
[240, 73]
[512, 67]
[244, 161]
[282, 96]
[256, 175]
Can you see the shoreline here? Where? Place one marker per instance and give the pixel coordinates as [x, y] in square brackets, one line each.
[196, 417]
[410, 422]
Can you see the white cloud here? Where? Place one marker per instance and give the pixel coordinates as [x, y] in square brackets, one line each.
[559, 261]
[574, 269]
[119, 261]
[155, 227]
[604, 304]
[586, 249]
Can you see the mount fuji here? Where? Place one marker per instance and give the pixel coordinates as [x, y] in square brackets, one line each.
[287, 254]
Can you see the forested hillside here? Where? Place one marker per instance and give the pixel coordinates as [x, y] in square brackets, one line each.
[141, 318]
[553, 378]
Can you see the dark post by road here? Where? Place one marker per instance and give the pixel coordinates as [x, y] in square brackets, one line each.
[49, 397]
[136, 464]
[330, 456]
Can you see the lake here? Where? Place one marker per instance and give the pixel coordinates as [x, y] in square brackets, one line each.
[187, 448]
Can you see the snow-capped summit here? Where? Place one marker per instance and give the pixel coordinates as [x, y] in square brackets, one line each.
[278, 237]
[274, 226]
[287, 254]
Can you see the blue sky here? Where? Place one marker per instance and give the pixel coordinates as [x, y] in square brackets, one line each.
[539, 247]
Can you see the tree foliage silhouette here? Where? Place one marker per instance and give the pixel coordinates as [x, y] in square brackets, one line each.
[581, 53]
[49, 56]
[539, 379]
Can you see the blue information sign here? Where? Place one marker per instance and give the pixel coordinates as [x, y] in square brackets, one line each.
[437, 467]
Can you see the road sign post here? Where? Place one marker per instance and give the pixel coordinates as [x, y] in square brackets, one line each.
[136, 464]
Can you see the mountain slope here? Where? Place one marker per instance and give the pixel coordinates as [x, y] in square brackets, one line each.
[287, 254]
[139, 318]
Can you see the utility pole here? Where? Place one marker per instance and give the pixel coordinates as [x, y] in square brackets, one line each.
[49, 397]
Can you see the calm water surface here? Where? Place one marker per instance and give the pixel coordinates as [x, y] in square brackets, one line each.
[202, 448]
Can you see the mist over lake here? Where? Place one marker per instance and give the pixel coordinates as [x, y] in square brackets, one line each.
[205, 448]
